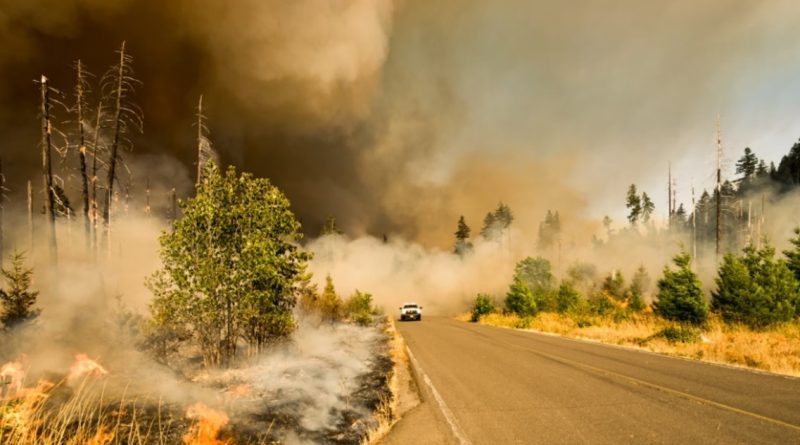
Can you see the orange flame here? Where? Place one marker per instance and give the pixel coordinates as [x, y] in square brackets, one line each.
[206, 430]
[84, 367]
[12, 375]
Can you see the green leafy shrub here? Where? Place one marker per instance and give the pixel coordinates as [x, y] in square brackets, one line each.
[536, 274]
[358, 308]
[483, 306]
[520, 300]
[567, 298]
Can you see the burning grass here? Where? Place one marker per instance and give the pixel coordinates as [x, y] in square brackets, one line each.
[776, 350]
[322, 388]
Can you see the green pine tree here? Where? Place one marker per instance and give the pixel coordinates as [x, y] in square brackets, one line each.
[330, 302]
[463, 245]
[680, 294]
[755, 289]
[634, 205]
[17, 301]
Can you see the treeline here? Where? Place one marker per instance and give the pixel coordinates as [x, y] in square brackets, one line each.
[754, 288]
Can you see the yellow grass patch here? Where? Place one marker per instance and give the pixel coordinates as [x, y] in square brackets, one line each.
[776, 350]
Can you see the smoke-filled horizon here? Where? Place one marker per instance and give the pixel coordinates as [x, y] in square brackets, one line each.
[397, 117]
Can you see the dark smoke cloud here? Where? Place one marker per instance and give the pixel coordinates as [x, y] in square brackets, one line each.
[398, 116]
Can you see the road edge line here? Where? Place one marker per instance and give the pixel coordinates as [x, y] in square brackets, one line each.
[448, 414]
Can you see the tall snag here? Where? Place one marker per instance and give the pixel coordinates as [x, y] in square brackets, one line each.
[80, 108]
[2, 209]
[118, 85]
[93, 190]
[204, 150]
[47, 167]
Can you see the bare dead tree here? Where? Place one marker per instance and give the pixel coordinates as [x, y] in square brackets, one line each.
[81, 91]
[2, 210]
[30, 214]
[204, 150]
[173, 207]
[118, 85]
[47, 167]
[95, 150]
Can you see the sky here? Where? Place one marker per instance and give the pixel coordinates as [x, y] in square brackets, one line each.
[399, 116]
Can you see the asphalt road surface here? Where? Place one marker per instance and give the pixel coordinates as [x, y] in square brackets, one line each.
[487, 385]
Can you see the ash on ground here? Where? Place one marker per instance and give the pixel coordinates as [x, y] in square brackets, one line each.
[321, 388]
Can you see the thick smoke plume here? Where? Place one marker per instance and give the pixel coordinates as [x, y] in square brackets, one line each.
[354, 108]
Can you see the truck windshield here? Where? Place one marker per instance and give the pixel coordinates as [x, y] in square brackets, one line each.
[410, 306]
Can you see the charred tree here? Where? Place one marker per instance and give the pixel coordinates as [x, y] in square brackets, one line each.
[30, 215]
[81, 90]
[95, 149]
[118, 85]
[47, 167]
[2, 210]
[203, 143]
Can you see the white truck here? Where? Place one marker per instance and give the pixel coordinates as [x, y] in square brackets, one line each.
[410, 311]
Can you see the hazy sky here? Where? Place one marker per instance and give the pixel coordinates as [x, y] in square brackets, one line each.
[399, 116]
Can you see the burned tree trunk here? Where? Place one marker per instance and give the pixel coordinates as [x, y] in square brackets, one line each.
[95, 148]
[2, 209]
[117, 122]
[30, 215]
[80, 101]
[47, 168]
[119, 83]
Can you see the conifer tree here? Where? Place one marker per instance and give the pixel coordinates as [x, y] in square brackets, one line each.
[755, 288]
[680, 294]
[647, 207]
[747, 165]
[463, 245]
[634, 205]
[17, 301]
[520, 299]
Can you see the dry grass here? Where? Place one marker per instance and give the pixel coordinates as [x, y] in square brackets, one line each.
[386, 414]
[776, 350]
[51, 414]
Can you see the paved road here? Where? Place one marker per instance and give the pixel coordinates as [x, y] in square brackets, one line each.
[486, 385]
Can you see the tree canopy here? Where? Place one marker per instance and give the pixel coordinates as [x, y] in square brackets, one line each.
[231, 266]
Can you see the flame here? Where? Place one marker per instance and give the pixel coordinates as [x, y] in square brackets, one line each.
[12, 375]
[19, 417]
[84, 367]
[205, 431]
[101, 437]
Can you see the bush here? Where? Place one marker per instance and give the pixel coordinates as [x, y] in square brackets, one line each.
[680, 295]
[520, 300]
[567, 298]
[600, 303]
[358, 308]
[614, 285]
[483, 306]
[679, 334]
[755, 289]
[536, 274]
